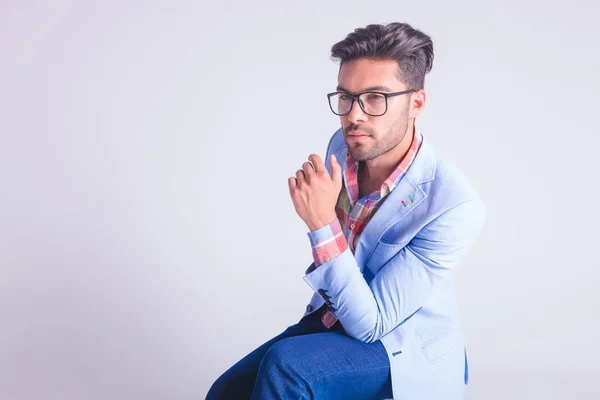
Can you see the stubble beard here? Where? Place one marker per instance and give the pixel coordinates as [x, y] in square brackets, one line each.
[373, 149]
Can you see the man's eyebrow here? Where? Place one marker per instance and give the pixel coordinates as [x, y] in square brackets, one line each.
[369, 89]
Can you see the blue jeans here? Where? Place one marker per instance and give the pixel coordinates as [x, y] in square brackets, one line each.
[308, 361]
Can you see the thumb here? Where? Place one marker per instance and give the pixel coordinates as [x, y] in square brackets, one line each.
[336, 172]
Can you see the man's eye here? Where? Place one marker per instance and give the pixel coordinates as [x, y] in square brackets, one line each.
[375, 96]
[345, 97]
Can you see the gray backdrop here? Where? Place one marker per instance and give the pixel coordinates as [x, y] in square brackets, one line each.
[147, 237]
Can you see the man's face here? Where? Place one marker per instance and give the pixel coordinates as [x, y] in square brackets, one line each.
[382, 133]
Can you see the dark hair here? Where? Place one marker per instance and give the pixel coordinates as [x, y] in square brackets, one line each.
[411, 48]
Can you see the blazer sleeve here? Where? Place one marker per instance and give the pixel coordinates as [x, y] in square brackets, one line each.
[403, 285]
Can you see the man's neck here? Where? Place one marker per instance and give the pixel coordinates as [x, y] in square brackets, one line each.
[372, 173]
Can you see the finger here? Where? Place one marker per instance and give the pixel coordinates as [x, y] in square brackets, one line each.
[336, 172]
[300, 177]
[292, 184]
[317, 163]
[308, 169]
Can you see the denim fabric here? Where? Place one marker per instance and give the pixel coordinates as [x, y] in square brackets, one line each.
[308, 361]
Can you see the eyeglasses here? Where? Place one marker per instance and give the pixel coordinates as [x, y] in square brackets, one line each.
[372, 103]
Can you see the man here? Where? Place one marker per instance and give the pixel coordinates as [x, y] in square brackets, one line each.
[389, 221]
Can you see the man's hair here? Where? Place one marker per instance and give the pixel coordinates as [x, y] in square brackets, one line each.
[411, 48]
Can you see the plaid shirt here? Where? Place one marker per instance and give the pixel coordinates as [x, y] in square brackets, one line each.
[353, 214]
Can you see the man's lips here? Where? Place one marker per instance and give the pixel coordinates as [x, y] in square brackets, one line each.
[357, 136]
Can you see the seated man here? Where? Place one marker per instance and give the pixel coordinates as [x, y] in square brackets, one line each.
[389, 221]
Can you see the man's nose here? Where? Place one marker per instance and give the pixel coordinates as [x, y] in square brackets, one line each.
[356, 113]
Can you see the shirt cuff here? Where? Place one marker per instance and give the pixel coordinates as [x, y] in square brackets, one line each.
[327, 242]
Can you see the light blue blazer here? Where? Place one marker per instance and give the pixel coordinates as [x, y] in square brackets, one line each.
[398, 285]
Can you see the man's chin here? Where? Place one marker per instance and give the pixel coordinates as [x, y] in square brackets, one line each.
[359, 155]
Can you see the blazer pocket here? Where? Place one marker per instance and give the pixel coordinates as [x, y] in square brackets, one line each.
[382, 253]
[437, 347]
[388, 250]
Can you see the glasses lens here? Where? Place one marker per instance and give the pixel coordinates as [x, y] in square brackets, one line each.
[373, 103]
[340, 103]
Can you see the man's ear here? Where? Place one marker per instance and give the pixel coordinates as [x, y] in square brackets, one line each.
[417, 103]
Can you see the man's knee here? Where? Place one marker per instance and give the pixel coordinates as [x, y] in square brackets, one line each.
[284, 357]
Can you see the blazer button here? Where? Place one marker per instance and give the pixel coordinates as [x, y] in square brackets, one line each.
[308, 308]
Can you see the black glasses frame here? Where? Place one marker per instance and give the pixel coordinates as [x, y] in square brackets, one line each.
[357, 97]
